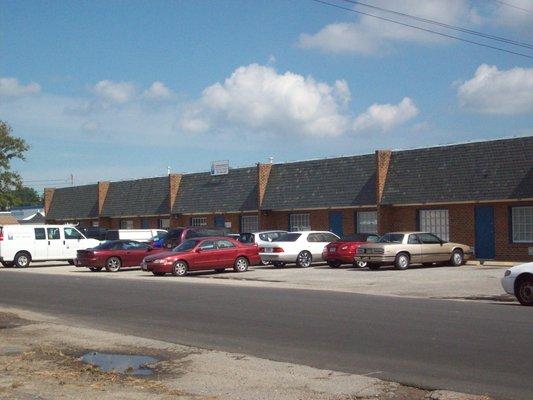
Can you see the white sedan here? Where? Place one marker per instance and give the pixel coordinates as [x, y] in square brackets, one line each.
[518, 281]
[302, 248]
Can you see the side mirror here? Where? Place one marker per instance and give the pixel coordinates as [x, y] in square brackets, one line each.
[198, 250]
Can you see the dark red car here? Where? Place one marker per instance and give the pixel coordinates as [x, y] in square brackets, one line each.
[203, 253]
[114, 255]
[343, 251]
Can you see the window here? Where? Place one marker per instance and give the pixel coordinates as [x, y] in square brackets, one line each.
[329, 237]
[40, 234]
[289, 237]
[126, 224]
[249, 223]
[163, 223]
[413, 239]
[436, 222]
[271, 236]
[208, 245]
[53, 233]
[314, 237]
[135, 246]
[95, 224]
[145, 223]
[299, 222]
[367, 222]
[522, 224]
[71, 233]
[392, 238]
[225, 244]
[428, 238]
[199, 221]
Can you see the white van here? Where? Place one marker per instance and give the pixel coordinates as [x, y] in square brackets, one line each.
[21, 244]
[141, 235]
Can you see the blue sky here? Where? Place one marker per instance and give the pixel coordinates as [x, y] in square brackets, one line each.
[110, 90]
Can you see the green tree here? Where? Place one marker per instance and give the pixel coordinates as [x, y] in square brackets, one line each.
[25, 196]
[11, 148]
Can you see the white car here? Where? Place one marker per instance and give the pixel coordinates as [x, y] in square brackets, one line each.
[261, 238]
[302, 248]
[518, 281]
[22, 244]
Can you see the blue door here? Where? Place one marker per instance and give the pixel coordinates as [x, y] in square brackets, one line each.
[219, 221]
[335, 223]
[484, 245]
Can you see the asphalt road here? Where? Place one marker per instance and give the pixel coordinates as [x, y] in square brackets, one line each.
[472, 347]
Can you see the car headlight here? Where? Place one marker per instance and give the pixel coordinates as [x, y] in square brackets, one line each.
[507, 273]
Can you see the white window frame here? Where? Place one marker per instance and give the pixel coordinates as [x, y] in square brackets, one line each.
[299, 222]
[435, 221]
[367, 222]
[199, 221]
[126, 224]
[522, 224]
[249, 223]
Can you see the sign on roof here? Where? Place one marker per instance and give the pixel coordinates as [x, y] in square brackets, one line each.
[220, 167]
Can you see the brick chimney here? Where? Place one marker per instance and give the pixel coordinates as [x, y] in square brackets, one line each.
[48, 196]
[263, 173]
[173, 187]
[102, 193]
[383, 158]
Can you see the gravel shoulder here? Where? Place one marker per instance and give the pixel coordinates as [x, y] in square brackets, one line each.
[40, 360]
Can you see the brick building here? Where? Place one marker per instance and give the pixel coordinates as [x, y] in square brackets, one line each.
[476, 193]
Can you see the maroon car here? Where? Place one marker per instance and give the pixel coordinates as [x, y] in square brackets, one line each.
[343, 251]
[203, 253]
[114, 255]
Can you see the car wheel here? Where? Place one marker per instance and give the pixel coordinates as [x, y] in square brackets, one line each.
[334, 264]
[113, 264]
[219, 270]
[373, 267]
[7, 264]
[457, 258]
[180, 268]
[401, 261]
[278, 264]
[157, 273]
[304, 259]
[95, 269]
[22, 259]
[71, 262]
[360, 264]
[265, 262]
[524, 291]
[241, 264]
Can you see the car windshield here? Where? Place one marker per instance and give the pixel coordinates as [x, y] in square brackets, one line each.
[246, 238]
[186, 246]
[289, 237]
[106, 245]
[391, 238]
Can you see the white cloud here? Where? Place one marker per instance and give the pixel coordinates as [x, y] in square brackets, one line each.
[114, 92]
[494, 91]
[384, 117]
[369, 35]
[10, 87]
[257, 98]
[158, 91]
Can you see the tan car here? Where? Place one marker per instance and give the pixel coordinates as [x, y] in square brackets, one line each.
[405, 248]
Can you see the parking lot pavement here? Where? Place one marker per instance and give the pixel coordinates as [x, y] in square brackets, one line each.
[468, 282]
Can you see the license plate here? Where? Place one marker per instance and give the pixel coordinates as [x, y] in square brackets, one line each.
[332, 249]
[268, 250]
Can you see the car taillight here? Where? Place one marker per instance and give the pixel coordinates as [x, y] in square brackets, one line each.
[1, 235]
[261, 249]
[278, 250]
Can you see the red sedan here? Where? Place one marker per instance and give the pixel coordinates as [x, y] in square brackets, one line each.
[343, 251]
[199, 254]
[114, 255]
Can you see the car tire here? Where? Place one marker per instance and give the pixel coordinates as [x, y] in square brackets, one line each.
[22, 259]
[113, 264]
[180, 268]
[95, 269]
[334, 264]
[241, 264]
[457, 258]
[71, 262]
[159, 273]
[220, 270]
[7, 264]
[360, 264]
[265, 263]
[373, 267]
[524, 290]
[402, 261]
[304, 259]
[278, 264]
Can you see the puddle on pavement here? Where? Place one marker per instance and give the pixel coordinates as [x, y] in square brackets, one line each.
[120, 363]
